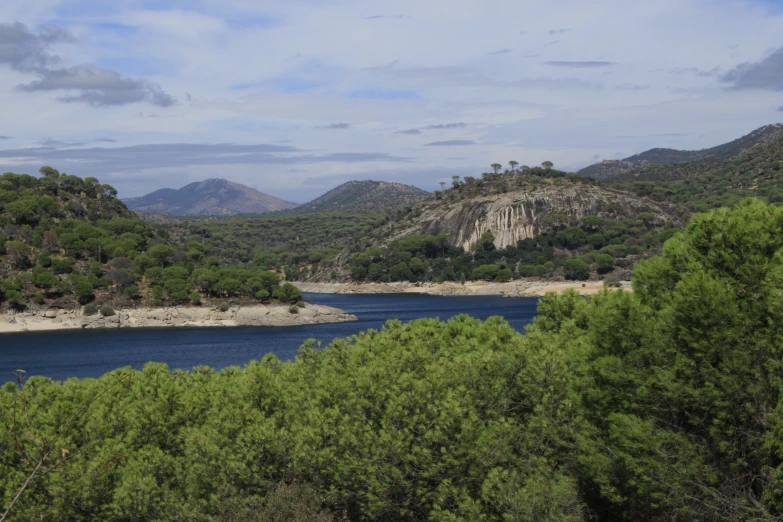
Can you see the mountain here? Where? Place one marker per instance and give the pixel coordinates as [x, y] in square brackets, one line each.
[208, 197]
[366, 195]
[609, 169]
[713, 181]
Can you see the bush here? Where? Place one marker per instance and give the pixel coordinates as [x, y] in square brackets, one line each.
[90, 309]
[38, 299]
[195, 298]
[301, 304]
[293, 309]
[224, 307]
[576, 269]
[107, 311]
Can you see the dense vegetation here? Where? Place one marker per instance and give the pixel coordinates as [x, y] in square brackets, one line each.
[662, 404]
[573, 248]
[295, 244]
[712, 183]
[65, 241]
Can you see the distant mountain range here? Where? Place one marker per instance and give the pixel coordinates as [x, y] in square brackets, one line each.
[223, 197]
[366, 195]
[609, 169]
[208, 197]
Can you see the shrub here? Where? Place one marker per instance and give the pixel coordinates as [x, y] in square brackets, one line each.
[293, 309]
[107, 311]
[224, 307]
[301, 304]
[38, 299]
[90, 309]
[195, 298]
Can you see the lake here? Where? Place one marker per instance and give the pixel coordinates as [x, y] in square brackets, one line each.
[91, 353]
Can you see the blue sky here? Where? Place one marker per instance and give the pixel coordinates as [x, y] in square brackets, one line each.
[294, 97]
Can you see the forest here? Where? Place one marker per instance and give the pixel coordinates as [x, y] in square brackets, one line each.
[661, 404]
[68, 242]
[594, 246]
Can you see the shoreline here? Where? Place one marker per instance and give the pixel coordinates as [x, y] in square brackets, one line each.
[519, 288]
[168, 317]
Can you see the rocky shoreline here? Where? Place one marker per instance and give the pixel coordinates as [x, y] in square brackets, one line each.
[523, 288]
[256, 315]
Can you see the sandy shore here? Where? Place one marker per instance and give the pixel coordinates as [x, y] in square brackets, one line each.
[256, 315]
[510, 289]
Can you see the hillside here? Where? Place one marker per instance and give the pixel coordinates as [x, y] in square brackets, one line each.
[211, 196]
[610, 169]
[712, 182]
[67, 242]
[543, 222]
[366, 195]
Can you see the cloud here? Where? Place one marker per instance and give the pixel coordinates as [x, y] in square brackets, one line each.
[580, 65]
[558, 31]
[106, 140]
[501, 51]
[554, 42]
[26, 52]
[392, 17]
[99, 87]
[523, 33]
[450, 143]
[409, 131]
[457, 125]
[766, 74]
[5, 137]
[375, 93]
[630, 87]
[102, 160]
[336, 126]
[695, 70]
[780, 109]
[55, 144]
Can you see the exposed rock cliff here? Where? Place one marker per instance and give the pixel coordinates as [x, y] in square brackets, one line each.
[525, 213]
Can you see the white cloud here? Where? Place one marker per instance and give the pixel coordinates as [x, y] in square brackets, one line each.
[248, 72]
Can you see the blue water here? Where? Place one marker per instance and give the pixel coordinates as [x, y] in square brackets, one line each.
[91, 353]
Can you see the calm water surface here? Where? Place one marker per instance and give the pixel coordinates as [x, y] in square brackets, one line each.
[91, 353]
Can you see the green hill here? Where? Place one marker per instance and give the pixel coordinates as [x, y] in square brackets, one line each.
[365, 195]
[612, 169]
[714, 181]
[67, 242]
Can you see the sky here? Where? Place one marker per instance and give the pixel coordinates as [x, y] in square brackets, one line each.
[294, 97]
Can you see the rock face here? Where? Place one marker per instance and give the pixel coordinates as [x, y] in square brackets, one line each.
[258, 315]
[527, 213]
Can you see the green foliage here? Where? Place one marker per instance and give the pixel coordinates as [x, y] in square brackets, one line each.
[722, 179]
[107, 311]
[90, 309]
[573, 248]
[661, 404]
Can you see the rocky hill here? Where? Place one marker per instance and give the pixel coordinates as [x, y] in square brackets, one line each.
[524, 212]
[609, 169]
[366, 195]
[208, 197]
[541, 222]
